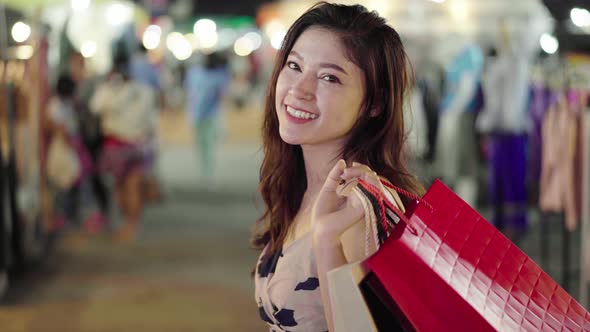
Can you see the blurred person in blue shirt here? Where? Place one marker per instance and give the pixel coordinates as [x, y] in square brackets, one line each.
[205, 85]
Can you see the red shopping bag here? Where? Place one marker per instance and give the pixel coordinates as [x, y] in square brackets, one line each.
[445, 268]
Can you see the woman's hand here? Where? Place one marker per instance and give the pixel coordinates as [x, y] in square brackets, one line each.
[361, 171]
[332, 213]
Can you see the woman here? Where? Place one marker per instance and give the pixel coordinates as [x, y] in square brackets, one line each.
[205, 87]
[127, 117]
[333, 113]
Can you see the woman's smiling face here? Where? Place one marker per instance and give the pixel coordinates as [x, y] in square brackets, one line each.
[319, 92]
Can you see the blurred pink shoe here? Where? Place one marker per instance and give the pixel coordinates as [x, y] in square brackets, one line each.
[59, 222]
[94, 223]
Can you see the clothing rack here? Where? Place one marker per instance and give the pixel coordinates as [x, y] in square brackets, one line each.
[563, 74]
[585, 217]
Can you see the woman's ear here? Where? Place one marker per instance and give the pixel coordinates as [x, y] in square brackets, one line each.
[375, 108]
[374, 112]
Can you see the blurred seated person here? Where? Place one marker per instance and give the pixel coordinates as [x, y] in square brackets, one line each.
[127, 116]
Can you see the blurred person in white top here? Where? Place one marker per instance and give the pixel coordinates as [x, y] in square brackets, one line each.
[128, 120]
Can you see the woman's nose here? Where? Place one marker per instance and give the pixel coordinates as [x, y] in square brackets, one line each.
[303, 88]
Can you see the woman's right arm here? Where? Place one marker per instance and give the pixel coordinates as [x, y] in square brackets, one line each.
[332, 217]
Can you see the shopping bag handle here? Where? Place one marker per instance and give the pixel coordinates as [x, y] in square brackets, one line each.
[407, 194]
[383, 201]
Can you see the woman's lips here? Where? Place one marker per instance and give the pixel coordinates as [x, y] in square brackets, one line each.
[299, 116]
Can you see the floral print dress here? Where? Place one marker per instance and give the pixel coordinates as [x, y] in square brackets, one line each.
[287, 289]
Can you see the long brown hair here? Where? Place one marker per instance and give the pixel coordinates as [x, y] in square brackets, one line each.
[378, 136]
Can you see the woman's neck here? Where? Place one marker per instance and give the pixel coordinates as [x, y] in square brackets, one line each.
[318, 160]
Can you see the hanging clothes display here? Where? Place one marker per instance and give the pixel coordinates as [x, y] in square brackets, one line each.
[540, 100]
[504, 121]
[559, 110]
[560, 188]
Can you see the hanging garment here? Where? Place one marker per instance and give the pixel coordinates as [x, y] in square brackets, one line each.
[506, 91]
[508, 181]
[456, 155]
[557, 184]
[456, 152]
[585, 217]
[541, 99]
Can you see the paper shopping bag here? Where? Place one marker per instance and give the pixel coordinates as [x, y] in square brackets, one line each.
[346, 290]
[349, 309]
[447, 269]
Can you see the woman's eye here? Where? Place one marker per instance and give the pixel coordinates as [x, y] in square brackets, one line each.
[331, 78]
[292, 65]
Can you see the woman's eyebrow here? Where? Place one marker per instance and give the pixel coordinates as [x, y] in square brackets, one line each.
[295, 54]
[333, 66]
[322, 64]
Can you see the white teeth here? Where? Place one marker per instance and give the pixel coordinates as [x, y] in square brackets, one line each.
[301, 114]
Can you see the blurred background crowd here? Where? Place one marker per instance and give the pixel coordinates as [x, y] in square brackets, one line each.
[129, 136]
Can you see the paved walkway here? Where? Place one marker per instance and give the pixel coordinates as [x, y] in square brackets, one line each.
[188, 271]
